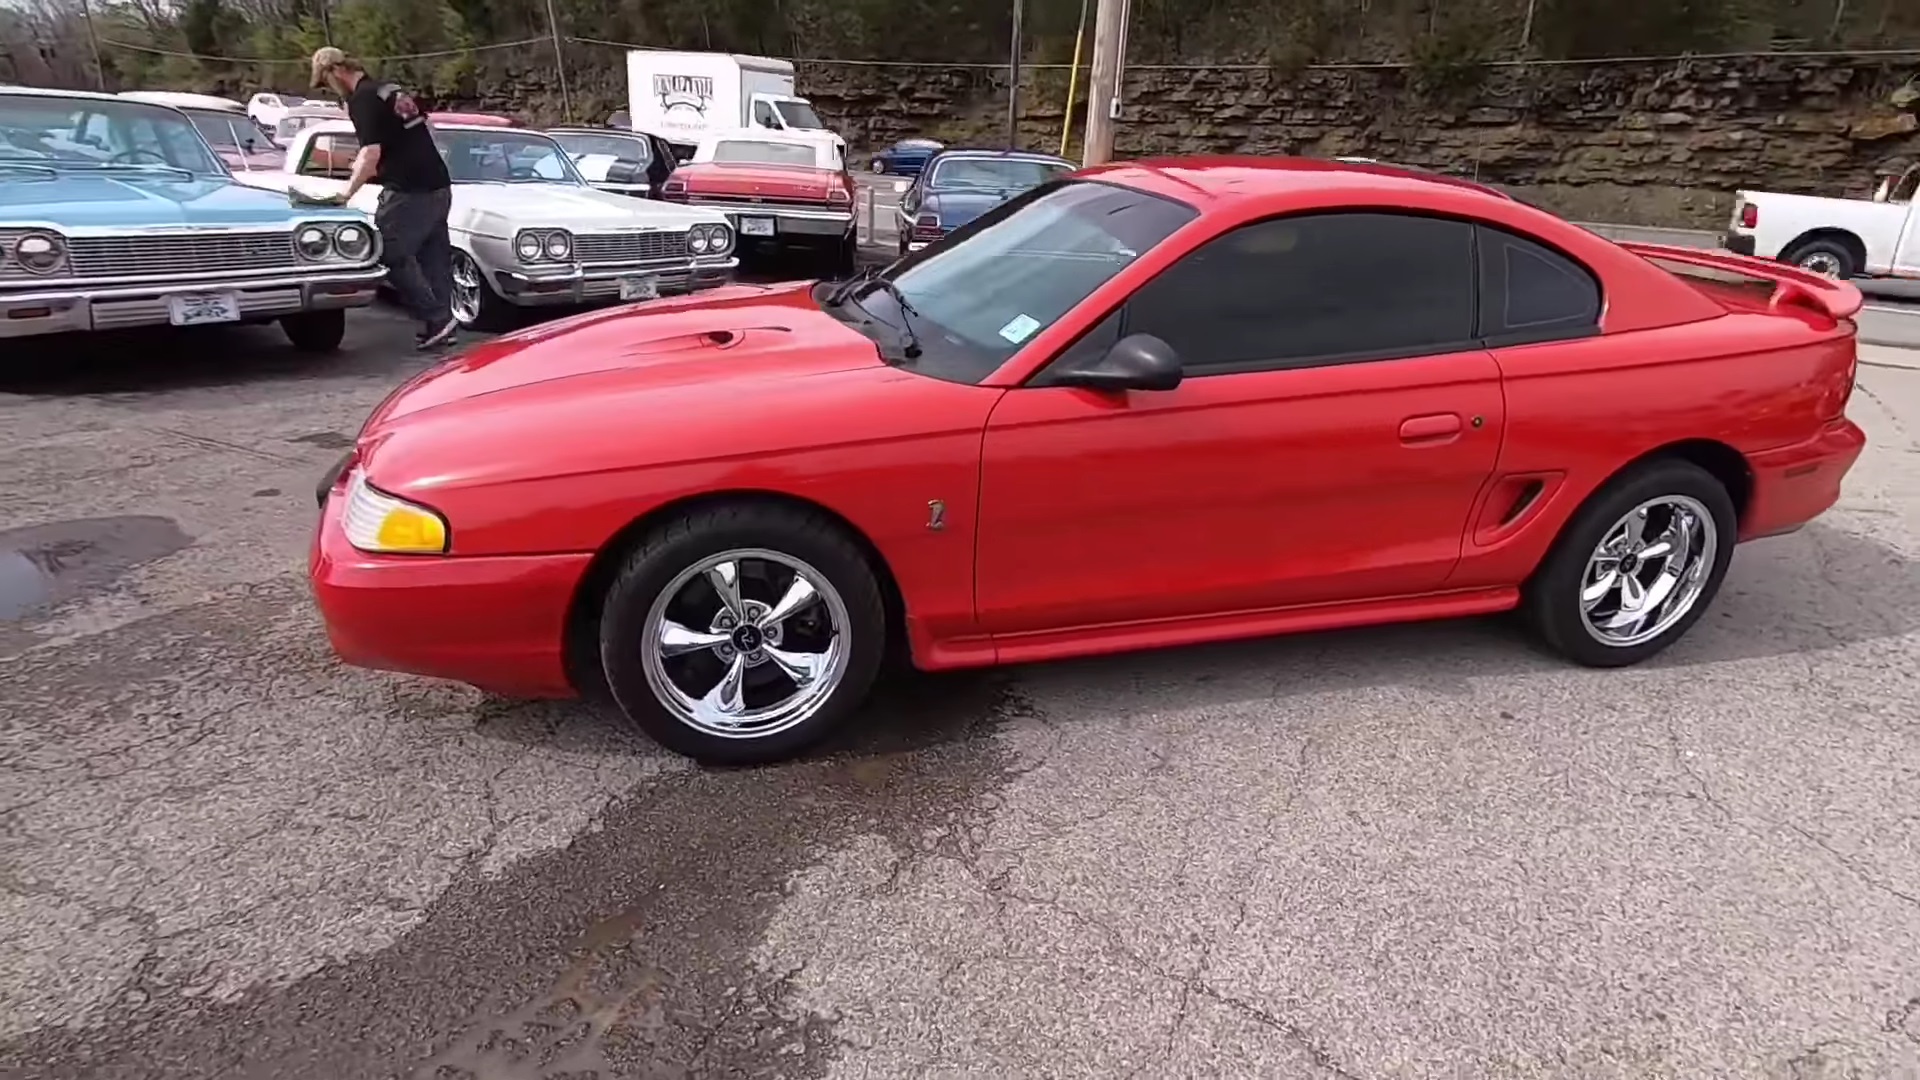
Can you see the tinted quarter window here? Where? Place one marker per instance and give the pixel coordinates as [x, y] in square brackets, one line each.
[1529, 292]
[1293, 291]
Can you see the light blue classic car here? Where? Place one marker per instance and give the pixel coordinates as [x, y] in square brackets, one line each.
[116, 213]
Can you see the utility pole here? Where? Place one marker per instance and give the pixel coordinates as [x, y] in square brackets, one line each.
[93, 39]
[559, 62]
[1103, 82]
[1013, 80]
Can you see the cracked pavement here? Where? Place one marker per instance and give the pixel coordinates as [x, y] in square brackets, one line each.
[1425, 851]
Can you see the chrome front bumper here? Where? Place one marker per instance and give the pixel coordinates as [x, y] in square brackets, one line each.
[118, 307]
[788, 221]
[600, 283]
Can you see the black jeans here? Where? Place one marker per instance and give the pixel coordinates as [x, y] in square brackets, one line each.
[419, 257]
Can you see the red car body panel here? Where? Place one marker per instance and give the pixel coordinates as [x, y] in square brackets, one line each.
[1298, 499]
[735, 180]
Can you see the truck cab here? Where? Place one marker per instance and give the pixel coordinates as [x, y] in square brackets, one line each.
[684, 96]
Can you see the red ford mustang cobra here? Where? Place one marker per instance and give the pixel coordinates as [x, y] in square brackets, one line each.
[1151, 404]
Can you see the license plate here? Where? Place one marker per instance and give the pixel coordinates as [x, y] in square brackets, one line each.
[639, 288]
[200, 309]
[756, 226]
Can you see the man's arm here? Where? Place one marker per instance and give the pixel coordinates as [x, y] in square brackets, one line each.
[364, 111]
[365, 164]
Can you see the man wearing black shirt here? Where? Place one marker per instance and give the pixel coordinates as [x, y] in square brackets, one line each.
[397, 153]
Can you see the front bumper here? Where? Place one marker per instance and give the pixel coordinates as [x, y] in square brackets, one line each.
[1794, 484]
[789, 222]
[118, 307]
[600, 283]
[496, 622]
[1737, 243]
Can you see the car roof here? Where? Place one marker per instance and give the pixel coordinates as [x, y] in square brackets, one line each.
[965, 152]
[1225, 179]
[47, 91]
[184, 101]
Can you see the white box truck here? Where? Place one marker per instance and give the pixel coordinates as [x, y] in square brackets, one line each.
[682, 96]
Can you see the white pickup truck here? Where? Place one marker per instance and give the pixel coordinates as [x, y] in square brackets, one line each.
[1844, 238]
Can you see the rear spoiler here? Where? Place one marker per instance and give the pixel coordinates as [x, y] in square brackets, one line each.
[1791, 285]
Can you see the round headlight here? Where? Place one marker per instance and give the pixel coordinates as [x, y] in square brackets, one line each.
[697, 240]
[352, 242]
[37, 252]
[527, 246]
[313, 242]
[559, 245]
[720, 241]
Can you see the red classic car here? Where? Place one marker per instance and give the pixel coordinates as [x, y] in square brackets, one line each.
[778, 189]
[1150, 404]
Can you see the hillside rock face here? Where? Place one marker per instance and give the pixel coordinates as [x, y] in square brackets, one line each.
[1657, 143]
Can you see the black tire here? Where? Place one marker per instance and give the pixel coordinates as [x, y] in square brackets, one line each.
[315, 331]
[879, 167]
[493, 314]
[1824, 252]
[678, 545]
[846, 255]
[1552, 597]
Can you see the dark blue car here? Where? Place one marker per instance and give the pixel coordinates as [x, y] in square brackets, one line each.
[960, 185]
[905, 158]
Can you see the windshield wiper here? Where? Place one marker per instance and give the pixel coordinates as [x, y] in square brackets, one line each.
[907, 313]
[844, 291]
[48, 169]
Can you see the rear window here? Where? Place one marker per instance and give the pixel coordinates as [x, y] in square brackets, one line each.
[755, 152]
[1531, 293]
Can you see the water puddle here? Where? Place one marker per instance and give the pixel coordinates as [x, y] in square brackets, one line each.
[43, 566]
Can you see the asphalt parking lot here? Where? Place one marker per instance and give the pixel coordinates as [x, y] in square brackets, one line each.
[1426, 851]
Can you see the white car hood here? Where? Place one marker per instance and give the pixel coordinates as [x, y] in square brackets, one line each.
[500, 209]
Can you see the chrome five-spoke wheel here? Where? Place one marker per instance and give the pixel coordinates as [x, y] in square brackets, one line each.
[743, 632]
[746, 643]
[1649, 571]
[1638, 563]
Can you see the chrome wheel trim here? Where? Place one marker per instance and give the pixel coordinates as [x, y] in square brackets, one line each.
[1824, 263]
[743, 645]
[1648, 571]
[466, 288]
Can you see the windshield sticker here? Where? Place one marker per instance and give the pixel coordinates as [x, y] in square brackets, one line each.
[1020, 328]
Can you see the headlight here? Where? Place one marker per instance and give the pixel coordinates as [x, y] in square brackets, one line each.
[353, 242]
[376, 521]
[528, 246]
[313, 242]
[39, 252]
[559, 245]
[709, 239]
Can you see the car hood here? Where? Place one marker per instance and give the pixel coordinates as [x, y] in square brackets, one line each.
[255, 160]
[610, 367]
[778, 181]
[84, 199]
[498, 209]
[956, 208]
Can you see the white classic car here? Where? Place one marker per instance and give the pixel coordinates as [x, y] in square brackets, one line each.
[527, 230]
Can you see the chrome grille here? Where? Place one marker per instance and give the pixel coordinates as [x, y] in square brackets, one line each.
[183, 253]
[629, 247]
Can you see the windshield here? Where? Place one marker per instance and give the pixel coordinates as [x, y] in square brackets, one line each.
[615, 146]
[1017, 269]
[994, 174]
[757, 152]
[503, 156]
[799, 114]
[231, 131]
[97, 133]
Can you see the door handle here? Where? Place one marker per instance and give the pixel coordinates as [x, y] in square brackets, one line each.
[1418, 429]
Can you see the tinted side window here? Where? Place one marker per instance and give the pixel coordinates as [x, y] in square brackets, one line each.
[1295, 291]
[1532, 293]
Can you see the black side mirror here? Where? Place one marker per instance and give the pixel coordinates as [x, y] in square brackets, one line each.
[1135, 362]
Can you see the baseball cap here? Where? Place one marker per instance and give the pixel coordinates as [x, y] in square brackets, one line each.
[325, 60]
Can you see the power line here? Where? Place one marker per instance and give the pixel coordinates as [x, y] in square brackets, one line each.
[131, 47]
[974, 65]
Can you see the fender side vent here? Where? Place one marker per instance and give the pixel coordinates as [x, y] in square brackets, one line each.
[1522, 501]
